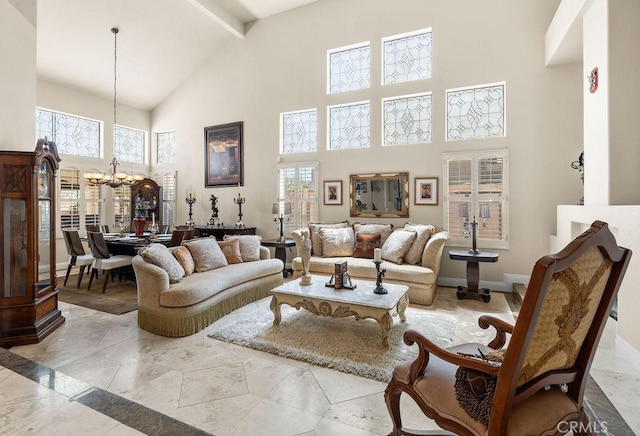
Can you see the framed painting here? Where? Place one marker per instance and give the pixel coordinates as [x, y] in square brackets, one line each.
[426, 191]
[223, 160]
[333, 192]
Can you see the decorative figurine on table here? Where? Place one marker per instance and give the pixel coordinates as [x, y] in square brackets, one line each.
[303, 241]
[377, 259]
[214, 210]
[239, 201]
[153, 228]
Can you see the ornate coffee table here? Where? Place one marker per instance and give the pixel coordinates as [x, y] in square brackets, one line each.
[360, 303]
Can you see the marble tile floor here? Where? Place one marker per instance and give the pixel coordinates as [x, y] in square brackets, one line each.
[100, 374]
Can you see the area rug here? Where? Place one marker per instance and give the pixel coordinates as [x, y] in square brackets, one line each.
[119, 297]
[345, 344]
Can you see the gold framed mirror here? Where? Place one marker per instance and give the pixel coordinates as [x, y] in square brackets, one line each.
[379, 195]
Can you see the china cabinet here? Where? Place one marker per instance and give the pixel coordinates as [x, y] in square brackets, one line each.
[28, 294]
[146, 199]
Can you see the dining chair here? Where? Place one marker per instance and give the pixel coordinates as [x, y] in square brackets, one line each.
[77, 255]
[165, 229]
[536, 384]
[104, 261]
[181, 235]
[104, 228]
[92, 229]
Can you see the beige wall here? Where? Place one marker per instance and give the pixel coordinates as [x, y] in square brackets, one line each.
[17, 76]
[280, 65]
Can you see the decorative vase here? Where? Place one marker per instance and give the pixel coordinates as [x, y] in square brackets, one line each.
[140, 221]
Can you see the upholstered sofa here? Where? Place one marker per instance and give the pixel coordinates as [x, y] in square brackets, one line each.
[417, 266]
[174, 302]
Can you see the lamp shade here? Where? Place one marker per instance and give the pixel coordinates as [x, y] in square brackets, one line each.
[275, 209]
[485, 211]
[463, 210]
[287, 209]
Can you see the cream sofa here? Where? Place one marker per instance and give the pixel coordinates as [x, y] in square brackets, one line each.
[420, 278]
[197, 300]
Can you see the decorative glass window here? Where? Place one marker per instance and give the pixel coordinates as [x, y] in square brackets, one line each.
[349, 68]
[298, 185]
[406, 119]
[476, 112]
[476, 185]
[73, 135]
[349, 126]
[407, 57]
[128, 144]
[299, 132]
[166, 143]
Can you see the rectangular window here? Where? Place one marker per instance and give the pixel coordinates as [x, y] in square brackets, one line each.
[299, 132]
[70, 199]
[298, 185]
[406, 119]
[476, 186]
[73, 135]
[128, 144]
[122, 207]
[166, 147]
[168, 183]
[349, 68]
[476, 112]
[407, 57]
[349, 126]
[93, 202]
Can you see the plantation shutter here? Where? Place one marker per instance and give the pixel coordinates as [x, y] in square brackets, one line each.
[70, 200]
[298, 185]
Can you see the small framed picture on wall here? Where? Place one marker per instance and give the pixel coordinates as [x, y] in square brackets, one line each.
[426, 191]
[333, 192]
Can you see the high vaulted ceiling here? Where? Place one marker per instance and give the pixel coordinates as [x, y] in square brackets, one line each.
[160, 43]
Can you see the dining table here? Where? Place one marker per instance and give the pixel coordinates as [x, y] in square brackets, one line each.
[129, 243]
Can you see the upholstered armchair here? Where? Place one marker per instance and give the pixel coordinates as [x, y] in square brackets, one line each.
[536, 384]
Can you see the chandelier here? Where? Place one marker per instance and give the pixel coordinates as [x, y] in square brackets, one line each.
[116, 178]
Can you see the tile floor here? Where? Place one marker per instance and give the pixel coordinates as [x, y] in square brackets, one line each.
[100, 374]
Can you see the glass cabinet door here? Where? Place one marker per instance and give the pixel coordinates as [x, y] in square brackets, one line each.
[44, 228]
[15, 248]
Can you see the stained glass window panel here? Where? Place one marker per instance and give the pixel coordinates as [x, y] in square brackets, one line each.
[300, 132]
[407, 120]
[73, 135]
[166, 142]
[407, 57]
[475, 113]
[128, 144]
[349, 69]
[349, 126]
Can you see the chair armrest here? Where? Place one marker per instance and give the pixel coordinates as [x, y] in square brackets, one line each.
[151, 281]
[432, 252]
[265, 253]
[425, 346]
[502, 328]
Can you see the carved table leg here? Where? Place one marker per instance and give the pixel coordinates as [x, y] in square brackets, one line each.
[275, 308]
[402, 306]
[386, 323]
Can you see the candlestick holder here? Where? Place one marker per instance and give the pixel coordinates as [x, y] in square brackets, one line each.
[190, 201]
[239, 201]
[379, 274]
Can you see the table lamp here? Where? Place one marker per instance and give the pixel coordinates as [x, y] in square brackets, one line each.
[279, 216]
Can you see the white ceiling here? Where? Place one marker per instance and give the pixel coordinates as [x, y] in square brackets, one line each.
[160, 43]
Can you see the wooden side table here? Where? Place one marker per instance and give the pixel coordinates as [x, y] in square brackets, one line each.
[281, 251]
[473, 272]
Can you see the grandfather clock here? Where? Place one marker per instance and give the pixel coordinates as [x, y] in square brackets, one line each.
[28, 290]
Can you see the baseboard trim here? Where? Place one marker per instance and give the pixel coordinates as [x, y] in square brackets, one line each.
[633, 353]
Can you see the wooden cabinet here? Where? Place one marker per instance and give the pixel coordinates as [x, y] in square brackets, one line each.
[146, 201]
[220, 231]
[28, 289]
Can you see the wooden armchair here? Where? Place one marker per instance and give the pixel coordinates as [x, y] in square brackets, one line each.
[538, 386]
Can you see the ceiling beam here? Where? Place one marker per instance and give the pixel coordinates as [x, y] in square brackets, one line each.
[218, 14]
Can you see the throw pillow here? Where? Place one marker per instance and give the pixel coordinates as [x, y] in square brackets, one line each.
[423, 233]
[161, 256]
[365, 244]
[397, 245]
[183, 256]
[206, 253]
[384, 230]
[316, 240]
[337, 242]
[249, 246]
[231, 250]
